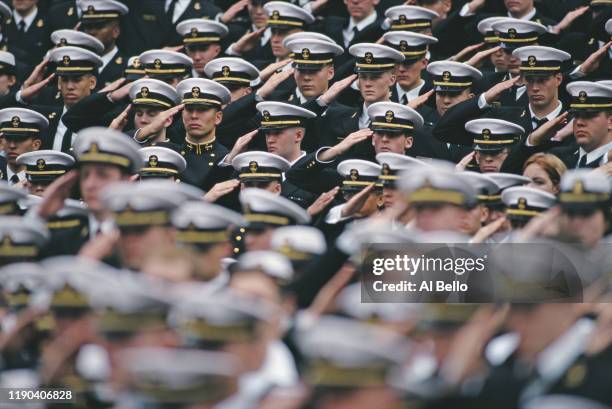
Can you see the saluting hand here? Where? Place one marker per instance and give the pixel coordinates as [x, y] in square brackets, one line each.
[322, 202]
[496, 90]
[248, 41]
[478, 59]
[221, 189]
[121, 121]
[592, 63]
[55, 195]
[161, 121]
[332, 93]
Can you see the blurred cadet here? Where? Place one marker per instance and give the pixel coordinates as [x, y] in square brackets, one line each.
[43, 167]
[584, 198]
[102, 19]
[338, 351]
[545, 171]
[206, 228]
[261, 170]
[236, 74]
[19, 282]
[391, 165]
[229, 321]
[22, 131]
[285, 19]
[170, 67]
[265, 211]
[10, 198]
[524, 203]
[488, 198]
[441, 199]
[161, 163]
[202, 41]
[165, 378]
[142, 212]
[22, 239]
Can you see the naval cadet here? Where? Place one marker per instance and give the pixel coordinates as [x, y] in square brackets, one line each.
[102, 19]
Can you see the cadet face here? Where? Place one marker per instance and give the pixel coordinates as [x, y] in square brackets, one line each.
[23, 6]
[445, 100]
[540, 179]
[276, 41]
[499, 61]
[474, 219]
[543, 91]
[513, 63]
[144, 116]
[93, 178]
[313, 83]
[518, 8]
[134, 244]
[409, 75]
[284, 142]
[391, 142]
[6, 82]
[587, 229]
[73, 89]
[592, 129]
[17, 146]
[491, 161]
[390, 197]
[442, 217]
[374, 87]
[258, 239]
[258, 15]
[202, 55]
[107, 33]
[360, 9]
[200, 121]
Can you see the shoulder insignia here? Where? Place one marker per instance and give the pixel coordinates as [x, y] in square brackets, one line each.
[290, 97]
[119, 60]
[9, 21]
[70, 11]
[592, 41]
[40, 23]
[354, 115]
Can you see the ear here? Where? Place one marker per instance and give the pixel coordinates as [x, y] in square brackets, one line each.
[247, 90]
[424, 63]
[216, 48]
[36, 143]
[448, 4]
[218, 117]
[484, 214]
[330, 72]
[558, 79]
[409, 142]
[299, 135]
[477, 157]
[116, 31]
[93, 81]
[11, 80]
[276, 188]
[392, 79]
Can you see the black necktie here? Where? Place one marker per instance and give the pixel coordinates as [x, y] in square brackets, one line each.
[67, 141]
[583, 161]
[22, 26]
[14, 179]
[404, 99]
[539, 122]
[170, 11]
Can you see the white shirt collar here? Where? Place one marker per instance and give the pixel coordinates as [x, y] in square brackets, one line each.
[29, 19]
[411, 94]
[301, 97]
[364, 119]
[266, 34]
[552, 115]
[106, 58]
[527, 16]
[298, 158]
[595, 154]
[363, 23]
[9, 174]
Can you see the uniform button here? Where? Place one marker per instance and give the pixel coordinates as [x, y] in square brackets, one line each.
[242, 230]
[236, 250]
[210, 163]
[212, 155]
[238, 238]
